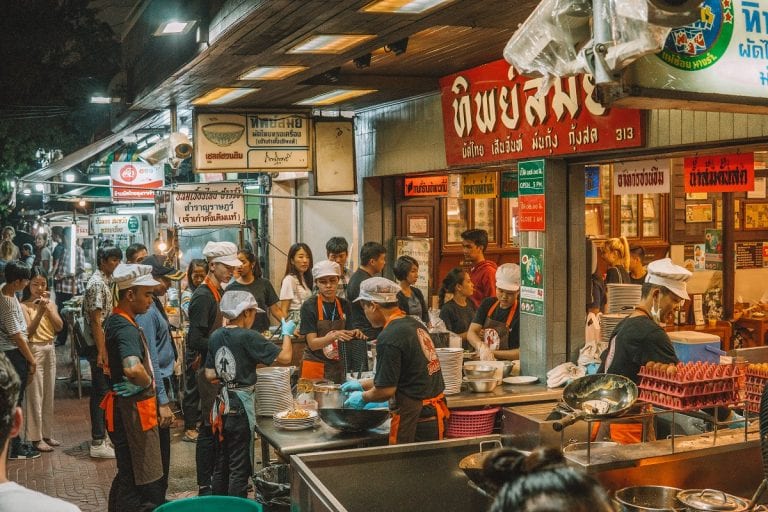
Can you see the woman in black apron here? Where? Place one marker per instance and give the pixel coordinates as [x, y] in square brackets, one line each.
[324, 323]
[495, 330]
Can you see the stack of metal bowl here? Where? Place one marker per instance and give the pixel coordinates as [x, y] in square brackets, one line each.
[480, 378]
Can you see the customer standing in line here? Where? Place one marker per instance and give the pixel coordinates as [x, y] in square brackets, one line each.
[43, 322]
[248, 278]
[373, 258]
[337, 250]
[297, 282]
[190, 402]
[474, 243]
[43, 257]
[637, 270]
[410, 299]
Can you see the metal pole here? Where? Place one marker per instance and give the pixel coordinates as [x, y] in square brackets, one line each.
[602, 40]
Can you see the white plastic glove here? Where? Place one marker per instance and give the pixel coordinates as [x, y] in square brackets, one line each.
[485, 353]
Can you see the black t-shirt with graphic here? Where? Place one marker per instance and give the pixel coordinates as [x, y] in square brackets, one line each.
[234, 353]
[122, 339]
[500, 315]
[406, 359]
[634, 342]
[309, 315]
[264, 293]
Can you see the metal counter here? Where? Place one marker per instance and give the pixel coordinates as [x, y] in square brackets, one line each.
[506, 394]
[320, 438]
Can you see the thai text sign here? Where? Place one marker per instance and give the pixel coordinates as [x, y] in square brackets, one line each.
[509, 184]
[208, 204]
[492, 114]
[532, 281]
[115, 224]
[426, 186]
[251, 142]
[641, 177]
[481, 185]
[720, 173]
[134, 182]
[531, 201]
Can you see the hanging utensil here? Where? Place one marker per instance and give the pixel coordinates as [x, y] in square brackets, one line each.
[593, 397]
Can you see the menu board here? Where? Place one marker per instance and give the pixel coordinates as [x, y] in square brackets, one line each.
[419, 249]
[751, 255]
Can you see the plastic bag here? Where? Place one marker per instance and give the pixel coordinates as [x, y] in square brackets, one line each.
[273, 487]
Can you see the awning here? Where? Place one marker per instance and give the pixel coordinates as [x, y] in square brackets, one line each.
[92, 194]
[82, 154]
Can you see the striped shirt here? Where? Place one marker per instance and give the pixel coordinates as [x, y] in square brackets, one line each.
[11, 321]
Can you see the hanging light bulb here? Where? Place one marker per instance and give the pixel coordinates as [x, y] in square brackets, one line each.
[81, 202]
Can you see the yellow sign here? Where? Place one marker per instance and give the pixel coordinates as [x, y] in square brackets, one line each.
[481, 185]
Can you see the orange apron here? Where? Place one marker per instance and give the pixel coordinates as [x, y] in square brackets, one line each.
[501, 328]
[404, 427]
[325, 363]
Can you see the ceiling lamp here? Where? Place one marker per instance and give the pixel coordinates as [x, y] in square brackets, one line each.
[339, 95]
[403, 6]
[99, 99]
[223, 95]
[271, 72]
[364, 61]
[398, 47]
[330, 43]
[174, 27]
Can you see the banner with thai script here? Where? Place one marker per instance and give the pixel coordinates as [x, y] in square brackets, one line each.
[115, 224]
[208, 204]
[720, 173]
[509, 184]
[426, 186]
[492, 114]
[480, 185]
[251, 142]
[531, 201]
[641, 177]
[135, 182]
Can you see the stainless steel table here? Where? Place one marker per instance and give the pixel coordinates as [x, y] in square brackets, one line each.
[506, 394]
[320, 438]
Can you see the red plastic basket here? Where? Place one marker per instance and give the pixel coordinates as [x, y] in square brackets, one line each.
[471, 423]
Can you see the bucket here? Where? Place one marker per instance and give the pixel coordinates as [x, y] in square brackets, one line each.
[211, 504]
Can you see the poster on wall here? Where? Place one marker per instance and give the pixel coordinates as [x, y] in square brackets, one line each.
[532, 281]
[713, 247]
[751, 255]
[641, 177]
[419, 249]
[592, 182]
[208, 204]
[720, 173]
[531, 201]
[694, 257]
[479, 185]
[509, 184]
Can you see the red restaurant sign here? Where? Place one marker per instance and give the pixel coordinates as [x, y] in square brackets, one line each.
[720, 173]
[492, 114]
[426, 186]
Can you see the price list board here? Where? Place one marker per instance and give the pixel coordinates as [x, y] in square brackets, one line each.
[751, 255]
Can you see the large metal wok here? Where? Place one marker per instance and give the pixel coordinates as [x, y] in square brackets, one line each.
[594, 397]
[473, 466]
[354, 420]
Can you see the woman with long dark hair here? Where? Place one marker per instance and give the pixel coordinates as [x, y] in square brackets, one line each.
[196, 272]
[458, 311]
[248, 278]
[297, 282]
[409, 298]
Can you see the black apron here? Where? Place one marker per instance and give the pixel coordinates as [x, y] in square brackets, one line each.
[325, 363]
[495, 333]
[208, 391]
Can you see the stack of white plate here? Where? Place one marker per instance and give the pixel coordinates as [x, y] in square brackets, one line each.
[623, 297]
[273, 390]
[451, 360]
[303, 419]
[608, 323]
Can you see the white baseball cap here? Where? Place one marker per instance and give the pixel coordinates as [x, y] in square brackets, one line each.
[378, 289]
[508, 277]
[665, 273]
[235, 302]
[128, 275]
[325, 268]
[222, 252]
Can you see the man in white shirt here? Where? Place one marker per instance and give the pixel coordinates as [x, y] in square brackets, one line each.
[14, 497]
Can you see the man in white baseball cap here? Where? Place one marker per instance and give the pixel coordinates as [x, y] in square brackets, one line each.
[233, 353]
[204, 318]
[639, 338]
[325, 321]
[495, 330]
[408, 370]
[131, 410]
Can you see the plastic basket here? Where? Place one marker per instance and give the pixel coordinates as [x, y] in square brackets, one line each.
[471, 423]
[211, 504]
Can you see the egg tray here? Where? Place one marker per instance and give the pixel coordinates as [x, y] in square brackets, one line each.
[754, 388]
[689, 403]
[729, 372]
[688, 389]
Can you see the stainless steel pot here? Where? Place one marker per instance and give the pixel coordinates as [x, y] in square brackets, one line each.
[708, 500]
[649, 498]
[329, 396]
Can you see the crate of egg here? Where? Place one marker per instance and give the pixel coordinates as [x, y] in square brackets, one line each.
[688, 386]
[757, 375]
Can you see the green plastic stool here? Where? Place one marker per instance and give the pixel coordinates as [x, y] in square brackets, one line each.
[211, 504]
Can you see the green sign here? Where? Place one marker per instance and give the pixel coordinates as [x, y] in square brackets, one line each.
[531, 177]
[532, 281]
[133, 224]
[509, 184]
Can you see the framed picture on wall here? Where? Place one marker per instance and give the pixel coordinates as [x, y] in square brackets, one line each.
[418, 225]
[756, 216]
[759, 191]
[698, 213]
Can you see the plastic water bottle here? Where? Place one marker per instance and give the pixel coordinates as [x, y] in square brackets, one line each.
[173, 297]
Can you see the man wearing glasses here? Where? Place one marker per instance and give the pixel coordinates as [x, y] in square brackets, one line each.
[495, 330]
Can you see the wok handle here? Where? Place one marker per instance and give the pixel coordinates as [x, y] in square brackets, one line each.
[566, 421]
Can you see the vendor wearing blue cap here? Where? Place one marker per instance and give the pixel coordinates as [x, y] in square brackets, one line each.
[407, 369]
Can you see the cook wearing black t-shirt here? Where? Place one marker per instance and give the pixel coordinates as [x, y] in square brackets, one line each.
[234, 353]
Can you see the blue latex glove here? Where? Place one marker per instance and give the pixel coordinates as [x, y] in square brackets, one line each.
[288, 327]
[355, 401]
[350, 386]
[127, 388]
[377, 405]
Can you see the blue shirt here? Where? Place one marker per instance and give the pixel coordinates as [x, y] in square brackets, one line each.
[161, 348]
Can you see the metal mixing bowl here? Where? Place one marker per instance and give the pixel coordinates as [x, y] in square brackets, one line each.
[481, 385]
[479, 371]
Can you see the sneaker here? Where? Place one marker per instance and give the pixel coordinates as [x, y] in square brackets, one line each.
[101, 450]
[24, 452]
